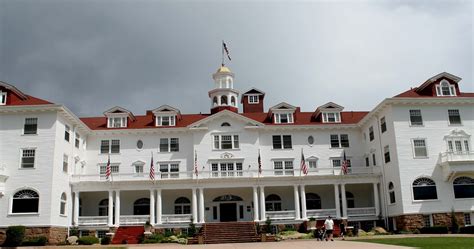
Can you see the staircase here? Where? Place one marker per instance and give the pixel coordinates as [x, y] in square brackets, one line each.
[230, 232]
[128, 235]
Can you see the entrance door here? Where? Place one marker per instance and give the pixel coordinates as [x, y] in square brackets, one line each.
[228, 212]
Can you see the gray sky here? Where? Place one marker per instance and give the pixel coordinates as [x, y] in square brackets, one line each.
[92, 55]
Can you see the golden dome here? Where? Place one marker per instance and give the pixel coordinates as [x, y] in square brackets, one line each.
[223, 69]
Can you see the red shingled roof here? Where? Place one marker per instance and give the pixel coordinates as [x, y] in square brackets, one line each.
[413, 94]
[30, 100]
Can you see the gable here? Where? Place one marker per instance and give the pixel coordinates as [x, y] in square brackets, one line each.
[222, 116]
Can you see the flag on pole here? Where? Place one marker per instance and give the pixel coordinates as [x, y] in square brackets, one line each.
[152, 169]
[196, 163]
[259, 163]
[108, 171]
[345, 165]
[304, 167]
[226, 50]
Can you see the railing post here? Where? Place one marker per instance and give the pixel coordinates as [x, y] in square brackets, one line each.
[336, 199]
[110, 209]
[117, 208]
[297, 202]
[158, 207]
[194, 206]
[262, 203]
[152, 207]
[76, 208]
[376, 199]
[255, 203]
[303, 202]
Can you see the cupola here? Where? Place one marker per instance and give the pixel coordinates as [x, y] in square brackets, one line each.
[223, 96]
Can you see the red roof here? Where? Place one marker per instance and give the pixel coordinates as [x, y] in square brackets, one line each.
[30, 100]
[413, 94]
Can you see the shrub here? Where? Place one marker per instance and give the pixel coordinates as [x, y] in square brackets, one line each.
[268, 225]
[434, 230]
[191, 230]
[154, 238]
[168, 232]
[87, 240]
[469, 230]
[105, 240]
[37, 241]
[15, 235]
[74, 232]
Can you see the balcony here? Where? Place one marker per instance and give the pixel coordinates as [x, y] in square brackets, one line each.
[361, 213]
[281, 215]
[321, 213]
[249, 173]
[127, 220]
[455, 163]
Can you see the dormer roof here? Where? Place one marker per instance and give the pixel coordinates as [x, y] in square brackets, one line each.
[15, 90]
[119, 110]
[435, 78]
[166, 109]
[283, 106]
[328, 107]
[254, 91]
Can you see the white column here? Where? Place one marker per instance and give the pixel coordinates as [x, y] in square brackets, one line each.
[336, 198]
[303, 202]
[262, 203]
[344, 201]
[117, 208]
[255, 204]
[194, 206]
[110, 221]
[158, 206]
[76, 208]
[201, 205]
[297, 202]
[152, 207]
[376, 199]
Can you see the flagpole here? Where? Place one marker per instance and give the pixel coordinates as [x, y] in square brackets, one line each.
[222, 53]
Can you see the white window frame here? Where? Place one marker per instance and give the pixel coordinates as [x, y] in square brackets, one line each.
[445, 83]
[222, 169]
[63, 205]
[430, 218]
[24, 124]
[168, 142]
[460, 118]
[410, 115]
[336, 116]
[235, 141]
[312, 162]
[117, 122]
[289, 118]
[77, 140]
[253, 99]
[109, 151]
[340, 159]
[114, 167]
[339, 141]
[3, 98]
[171, 120]
[65, 163]
[137, 165]
[386, 149]
[34, 158]
[288, 167]
[283, 143]
[414, 148]
[67, 130]
[383, 125]
[169, 166]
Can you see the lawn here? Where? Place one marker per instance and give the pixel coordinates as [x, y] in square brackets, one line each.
[428, 243]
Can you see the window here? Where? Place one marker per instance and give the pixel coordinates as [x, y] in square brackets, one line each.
[338, 162]
[313, 163]
[338, 141]
[169, 170]
[138, 167]
[273, 203]
[28, 158]
[66, 132]
[415, 118]
[114, 168]
[182, 205]
[427, 220]
[445, 89]
[104, 147]
[104, 207]
[310, 140]
[166, 120]
[424, 189]
[467, 219]
[331, 117]
[282, 142]
[225, 124]
[374, 162]
[226, 169]
[383, 125]
[283, 118]
[367, 161]
[454, 117]
[3, 98]
[169, 144]
[141, 206]
[223, 100]
[226, 142]
[313, 201]
[463, 187]
[25, 201]
[109, 146]
[101, 233]
[65, 163]
[371, 133]
[139, 144]
[77, 141]
[391, 192]
[62, 207]
[115, 147]
[253, 99]
[419, 148]
[283, 167]
[386, 154]
[117, 122]
[31, 126]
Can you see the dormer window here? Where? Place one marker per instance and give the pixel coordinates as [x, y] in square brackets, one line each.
[331, 117]
[283, 118]
[3, 98]
[165, 120]
[117, 122]
[445, 89]
[253, 99]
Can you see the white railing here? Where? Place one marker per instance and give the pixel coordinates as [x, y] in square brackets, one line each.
[246, 173]
[93, 220]
[457, 156]
[320, 213]
[176, 218]
[356, 212]
[281, 215]
[134, 219]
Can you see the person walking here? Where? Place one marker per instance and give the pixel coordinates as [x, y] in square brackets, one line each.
[343, 227]
[329, 226]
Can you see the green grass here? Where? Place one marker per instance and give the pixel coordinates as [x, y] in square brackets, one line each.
[428, 243]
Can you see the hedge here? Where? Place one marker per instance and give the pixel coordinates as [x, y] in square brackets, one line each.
[15, 235]
[434, 230]
[87, 240]
[38, 241]
[469, 229]
[105, 240]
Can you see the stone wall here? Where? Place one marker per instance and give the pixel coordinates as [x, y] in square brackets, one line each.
[411, 222]
[55, 235]
[444, 219]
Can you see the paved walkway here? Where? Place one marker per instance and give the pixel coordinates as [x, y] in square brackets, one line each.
[299, 244]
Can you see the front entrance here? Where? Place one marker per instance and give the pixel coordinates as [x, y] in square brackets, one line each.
[228, 212]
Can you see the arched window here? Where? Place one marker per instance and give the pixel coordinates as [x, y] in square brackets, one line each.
[313, 201]
[424, 189]
[463, 187]
[25, 201]
[182, 205]
[141, 206]
[232, 101]
[391, 192]
[445, 89]
[273, 203]
[214, 101]
[62, 207]
[104, 207]
[225, 124]
[224, 100]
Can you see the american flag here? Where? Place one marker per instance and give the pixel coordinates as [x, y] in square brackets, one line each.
[108, 171]
[196, 163]
[304, 167]
[259, 163]
[152, 169]
[345, 165]
[226, 50]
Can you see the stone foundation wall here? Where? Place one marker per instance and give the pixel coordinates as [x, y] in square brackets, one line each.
[411, 222]
[55, 235]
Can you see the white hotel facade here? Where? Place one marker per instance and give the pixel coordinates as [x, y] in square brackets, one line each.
[411, 161]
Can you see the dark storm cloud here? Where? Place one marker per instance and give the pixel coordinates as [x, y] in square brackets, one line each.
[92, 55]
